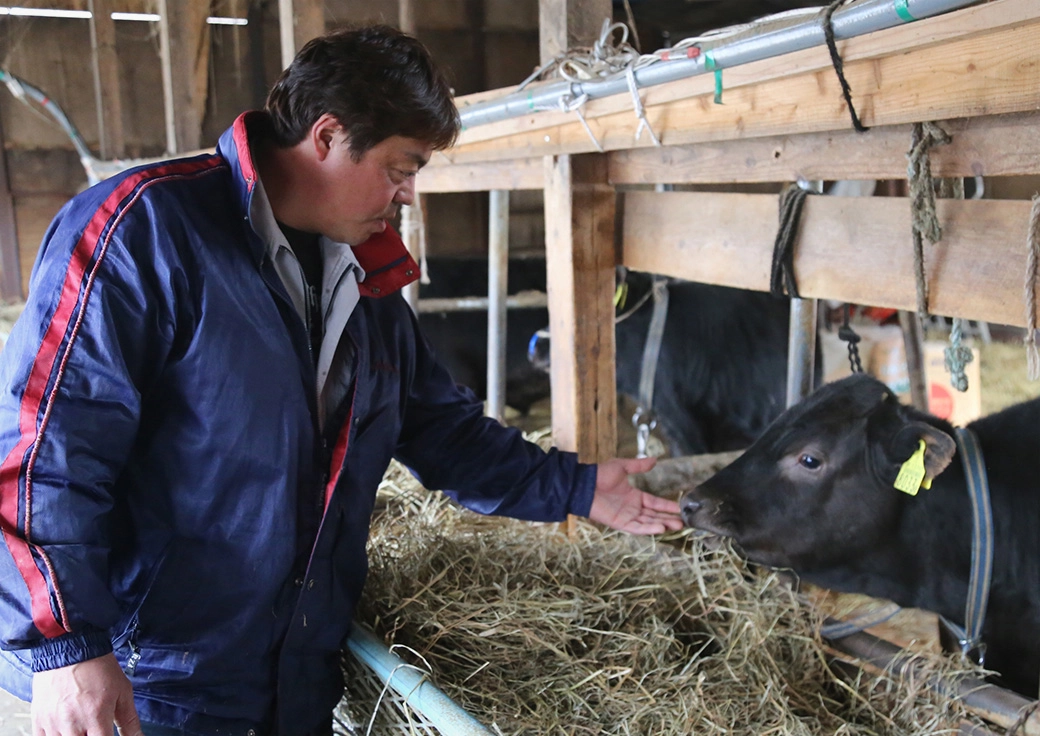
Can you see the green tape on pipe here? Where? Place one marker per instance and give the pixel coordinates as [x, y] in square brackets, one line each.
[709, 63]
[903, 11]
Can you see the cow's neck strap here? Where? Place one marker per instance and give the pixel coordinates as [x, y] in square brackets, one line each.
[970, 636]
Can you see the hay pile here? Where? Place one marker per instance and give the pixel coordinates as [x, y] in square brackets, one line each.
[535, 633]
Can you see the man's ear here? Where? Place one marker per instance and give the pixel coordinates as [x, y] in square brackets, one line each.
[939, 447]
[323, 135]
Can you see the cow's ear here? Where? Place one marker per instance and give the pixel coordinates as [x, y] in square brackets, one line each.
[939, 447]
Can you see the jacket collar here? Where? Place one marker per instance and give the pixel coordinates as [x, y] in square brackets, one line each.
[385, 259]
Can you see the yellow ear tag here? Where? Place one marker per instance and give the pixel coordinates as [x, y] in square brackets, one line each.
[621, 295]
[911, 476]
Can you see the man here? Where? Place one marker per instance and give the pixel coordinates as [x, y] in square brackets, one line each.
[211, 375]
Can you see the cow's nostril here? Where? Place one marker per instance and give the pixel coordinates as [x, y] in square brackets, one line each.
[690, 506]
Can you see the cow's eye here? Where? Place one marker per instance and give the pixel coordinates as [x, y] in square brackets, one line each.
[810, 461]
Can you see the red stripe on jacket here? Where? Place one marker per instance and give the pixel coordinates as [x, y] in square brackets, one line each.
[89, 244]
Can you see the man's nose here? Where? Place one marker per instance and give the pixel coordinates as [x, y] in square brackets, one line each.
[405, 193]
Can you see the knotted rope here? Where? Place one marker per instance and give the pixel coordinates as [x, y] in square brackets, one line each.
[839, 66]
[925, 223]
[1032, 274]
[792, 200]
[956, 356]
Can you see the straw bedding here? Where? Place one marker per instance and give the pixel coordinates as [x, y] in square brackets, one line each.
[533, 631]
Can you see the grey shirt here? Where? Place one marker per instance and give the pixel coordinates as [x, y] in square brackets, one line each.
[339, 296]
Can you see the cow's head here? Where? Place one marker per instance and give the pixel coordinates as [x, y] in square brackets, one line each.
[817, 487]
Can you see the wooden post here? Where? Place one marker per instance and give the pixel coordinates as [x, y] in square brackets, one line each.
[566, 24]
[184, 47]
[106, 80]
[580, 207]
[10, 262]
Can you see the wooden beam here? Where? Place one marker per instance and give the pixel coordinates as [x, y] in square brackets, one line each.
[580, 209]
[982, 74]
[527, 173]
[106, 77]
[856, 250]
[989, 145]
[992, 145]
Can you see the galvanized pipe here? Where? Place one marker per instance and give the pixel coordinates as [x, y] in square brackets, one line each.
[521, 300]
[417, 690]
[848, 22]
[995, 704]
[498, 284]
[801, 350]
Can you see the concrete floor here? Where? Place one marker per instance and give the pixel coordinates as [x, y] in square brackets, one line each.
[14, 716]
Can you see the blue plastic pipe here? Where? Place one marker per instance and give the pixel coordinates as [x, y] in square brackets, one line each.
[436, 707]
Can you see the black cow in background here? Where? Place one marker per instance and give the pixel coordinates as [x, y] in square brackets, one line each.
[722, 371]
[721, 374]
[815, 494]
[460, 338]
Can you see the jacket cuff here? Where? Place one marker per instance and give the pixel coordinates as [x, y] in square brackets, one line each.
[584, 489]
[70, 649]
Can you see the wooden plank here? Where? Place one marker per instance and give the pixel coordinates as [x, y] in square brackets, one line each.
[110, 112]
[995, 145]
[924, 34]
[187, 53]
[308, 21]
[986, 74]
[526, 173]
[579, 242]
[857, 250]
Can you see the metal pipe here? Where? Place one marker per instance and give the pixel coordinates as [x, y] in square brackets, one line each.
[995, 704]
[853, 20]
[498, 285]
[521, 300]
[416, 689]
[801, 350]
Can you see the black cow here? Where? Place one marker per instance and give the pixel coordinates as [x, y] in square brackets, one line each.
[722, 371]
[815, 494]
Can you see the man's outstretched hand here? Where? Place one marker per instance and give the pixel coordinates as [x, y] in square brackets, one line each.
[619, 505]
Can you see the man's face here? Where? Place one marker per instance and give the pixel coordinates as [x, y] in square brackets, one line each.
[360, 196]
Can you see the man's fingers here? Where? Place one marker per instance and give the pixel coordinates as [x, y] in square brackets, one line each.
[126, 718]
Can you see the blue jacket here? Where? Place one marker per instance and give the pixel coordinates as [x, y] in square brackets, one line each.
[165, 489]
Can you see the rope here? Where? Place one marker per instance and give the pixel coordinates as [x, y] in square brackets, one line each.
[925, 223]
[637, 105]
[956, 356]
[839, 67]
[1032, 277]
[792, 200]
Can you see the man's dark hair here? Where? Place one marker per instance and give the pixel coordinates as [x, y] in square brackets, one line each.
[376, 81]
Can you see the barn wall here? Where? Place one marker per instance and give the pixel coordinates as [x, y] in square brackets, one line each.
[484, 44]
